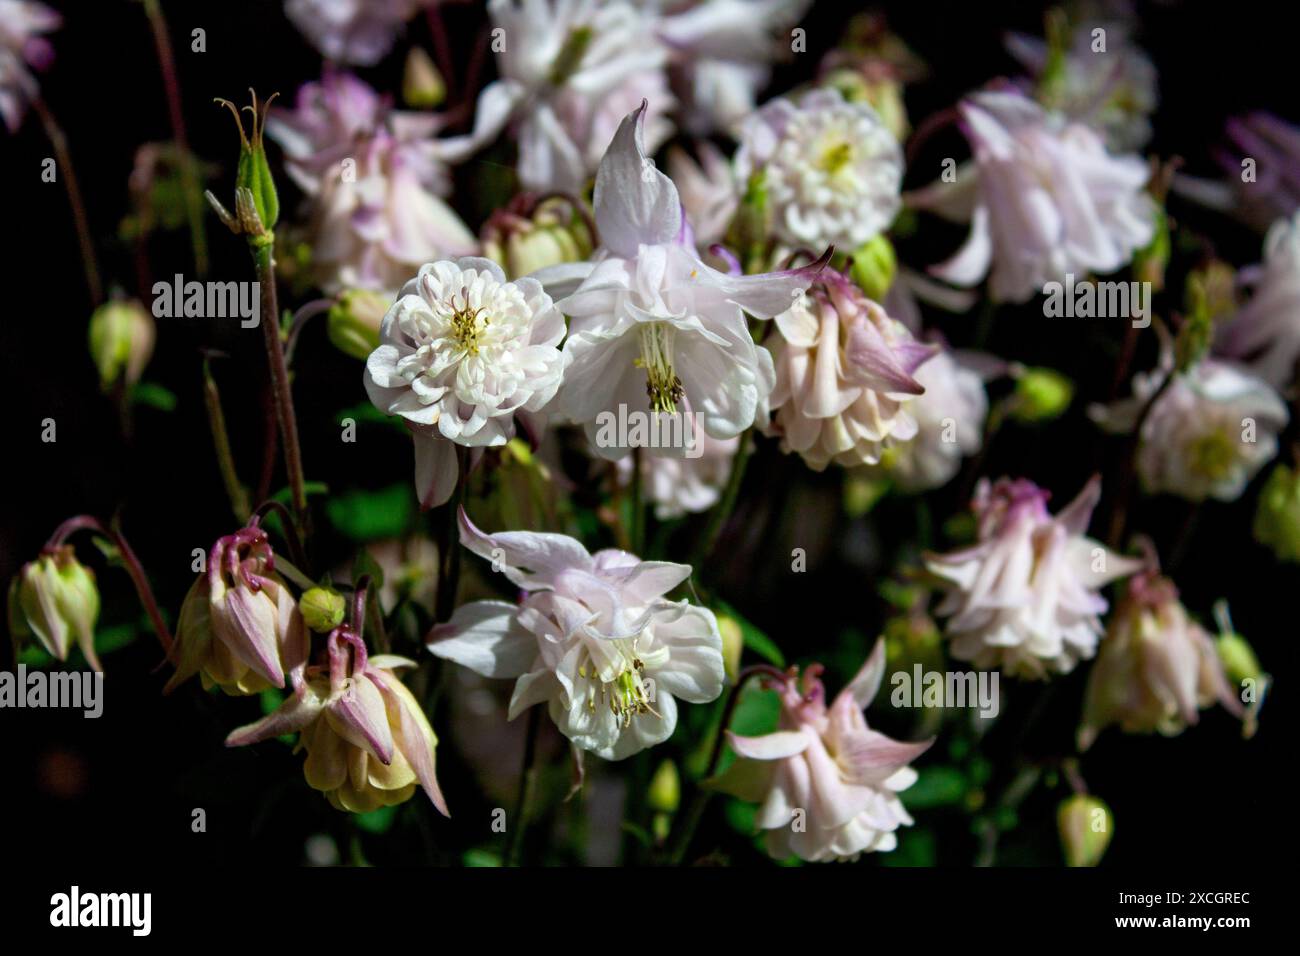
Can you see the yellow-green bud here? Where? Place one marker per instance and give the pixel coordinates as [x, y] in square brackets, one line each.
[1041, 394]
[1149, 263]
[354, 321]
[322, 609]
[1277, 516]
[733, 643]
[1085, 824]
[122, 336]
[54, 599]
[874, 267]
[547, 235]
[1238, 657]
[665, 791]
[422, 85]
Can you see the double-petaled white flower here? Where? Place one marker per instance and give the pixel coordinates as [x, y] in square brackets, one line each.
[678, 486]
[832, 171]
[844, 376]
[23, 49]
[462, 353]
[593, 638]
[373, 177]
[1266, 330]
[1206, 434]
[827, 784]
[1024, 596]
[1043, 197]
[360, 32]
[654, 328]
[1156, 669]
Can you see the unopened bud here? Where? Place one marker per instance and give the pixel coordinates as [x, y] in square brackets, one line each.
[322, 609]
[733, 643]
[1277, 516]
[1085, 824]
[523, 238]
[665, 791]
[422, 85]
[122, 337]
[354, 321]
[874, 267]
[54, 599]
[1041, 394]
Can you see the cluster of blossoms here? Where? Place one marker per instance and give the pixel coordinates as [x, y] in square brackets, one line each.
[754, 294]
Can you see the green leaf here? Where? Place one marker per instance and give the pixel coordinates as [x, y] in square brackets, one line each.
[153, 396]
[370, 515]
[478, 857]
[376, 821]
[935, 787]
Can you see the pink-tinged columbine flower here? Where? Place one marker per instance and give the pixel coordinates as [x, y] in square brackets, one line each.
[1262, 171]
[1265, 332]
[1024, 597]
[360, 32]
[1113, 91]
[593, 638]
[570, 70]
[373, 177]
[1206, 435]
[720, 56]
[23, 49]
[654, 328]
[1043, 197]
[827, 783]
[462, 353]
[949, 418]
[239, 628]
[689, 485]
[54, 600]
[844, 375]
[1157, 667]
[368, 742]
[831, 170]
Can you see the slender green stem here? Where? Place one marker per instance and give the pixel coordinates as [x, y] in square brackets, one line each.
[449, 545]
[283, 394]
[221, 444]
[527, 785]
[637, 533]
[718, 517]
[189, 178]
[60, 143]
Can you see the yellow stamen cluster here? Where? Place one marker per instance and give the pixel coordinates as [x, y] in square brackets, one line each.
[661, 383]
[464, 324]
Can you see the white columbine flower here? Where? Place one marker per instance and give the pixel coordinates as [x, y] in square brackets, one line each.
[463, 352]
[1043, 198]
[23, 49]
[652, 326]
[359, 32]
[373, 177]
[1208, 433]
[1266, 331]
[1024, 596]
[679, 486]
[844, 376]
[592, 637]
[831, 169]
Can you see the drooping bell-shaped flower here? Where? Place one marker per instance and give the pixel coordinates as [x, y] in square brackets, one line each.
[239, 627]
[1024, 597]
[463, 352]
[23, 49]
[360, 32]
[54, 600]
[593, 638]
[827, 784]
[831, 169]
[1265, 332]
[653, 328]
[1043, 197]
[844, 376]
[1156, 668]
[368, 742]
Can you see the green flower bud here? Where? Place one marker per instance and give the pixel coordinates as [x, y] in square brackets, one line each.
[733, 643]
[1041, 394]
[1085, 825]
[322, 609]
[354, 321]
[523, 237]
[874, 267]
[665, 791]
[121, 341]
[1149, 263]
[1277, 516]
[54, 599]
[422, 85]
